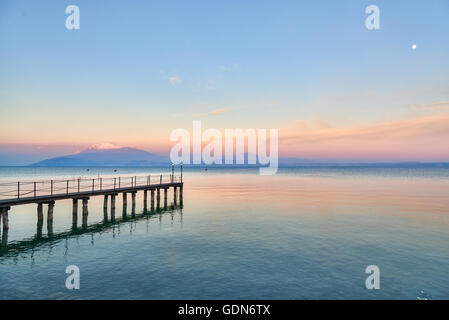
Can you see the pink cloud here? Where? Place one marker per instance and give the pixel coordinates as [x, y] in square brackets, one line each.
[424, 139]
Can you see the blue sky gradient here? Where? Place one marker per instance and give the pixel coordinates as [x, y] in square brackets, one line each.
[259, 63]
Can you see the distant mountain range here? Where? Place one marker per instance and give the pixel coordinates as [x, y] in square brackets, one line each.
[112, 156]
[107, 157]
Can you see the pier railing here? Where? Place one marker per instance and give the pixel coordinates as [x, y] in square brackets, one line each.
[30, 189]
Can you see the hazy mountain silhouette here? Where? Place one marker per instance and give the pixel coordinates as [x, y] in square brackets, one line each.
[107, 157]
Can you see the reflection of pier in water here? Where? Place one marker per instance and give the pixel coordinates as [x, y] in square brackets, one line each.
[109, 222]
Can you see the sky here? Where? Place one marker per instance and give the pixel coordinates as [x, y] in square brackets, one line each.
[137, 70]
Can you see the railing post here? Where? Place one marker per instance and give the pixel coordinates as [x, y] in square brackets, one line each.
[119, 182]
[131, 182]
[114, 184]
[135, 181]
[78, 185]
[67, 187]
[160, 181]
[34, 189]
[51, 187]
[18, 189]
[101, 184]
[93, 183]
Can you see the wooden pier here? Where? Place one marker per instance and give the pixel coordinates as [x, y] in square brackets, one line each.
[46, 192]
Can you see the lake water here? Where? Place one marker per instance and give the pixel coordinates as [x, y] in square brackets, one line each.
[305, 233]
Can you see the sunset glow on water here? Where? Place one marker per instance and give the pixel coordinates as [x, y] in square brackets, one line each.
[303, 233]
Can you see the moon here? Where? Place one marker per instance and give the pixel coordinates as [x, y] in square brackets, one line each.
[413, 46]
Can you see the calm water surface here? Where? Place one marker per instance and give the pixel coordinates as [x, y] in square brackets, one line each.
[306, 233]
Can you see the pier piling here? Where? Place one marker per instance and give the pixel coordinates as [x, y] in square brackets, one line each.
[175, 196]
[105, 202]
[40, 213]
[75, 212]
[133, 198]
[51, 205]
[5, 218]
[133, 203]
[125, 204]
[152, 199]
[39, 226]
[113, 207]
[85, 209]
[180, 194]
[85, 212]
[40, 220]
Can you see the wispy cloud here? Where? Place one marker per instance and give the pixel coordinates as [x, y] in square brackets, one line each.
[174, 80]
[105, 145]
[237, 105]
[437, 124]
[431, 105]
[421, 138]
[214, 112]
